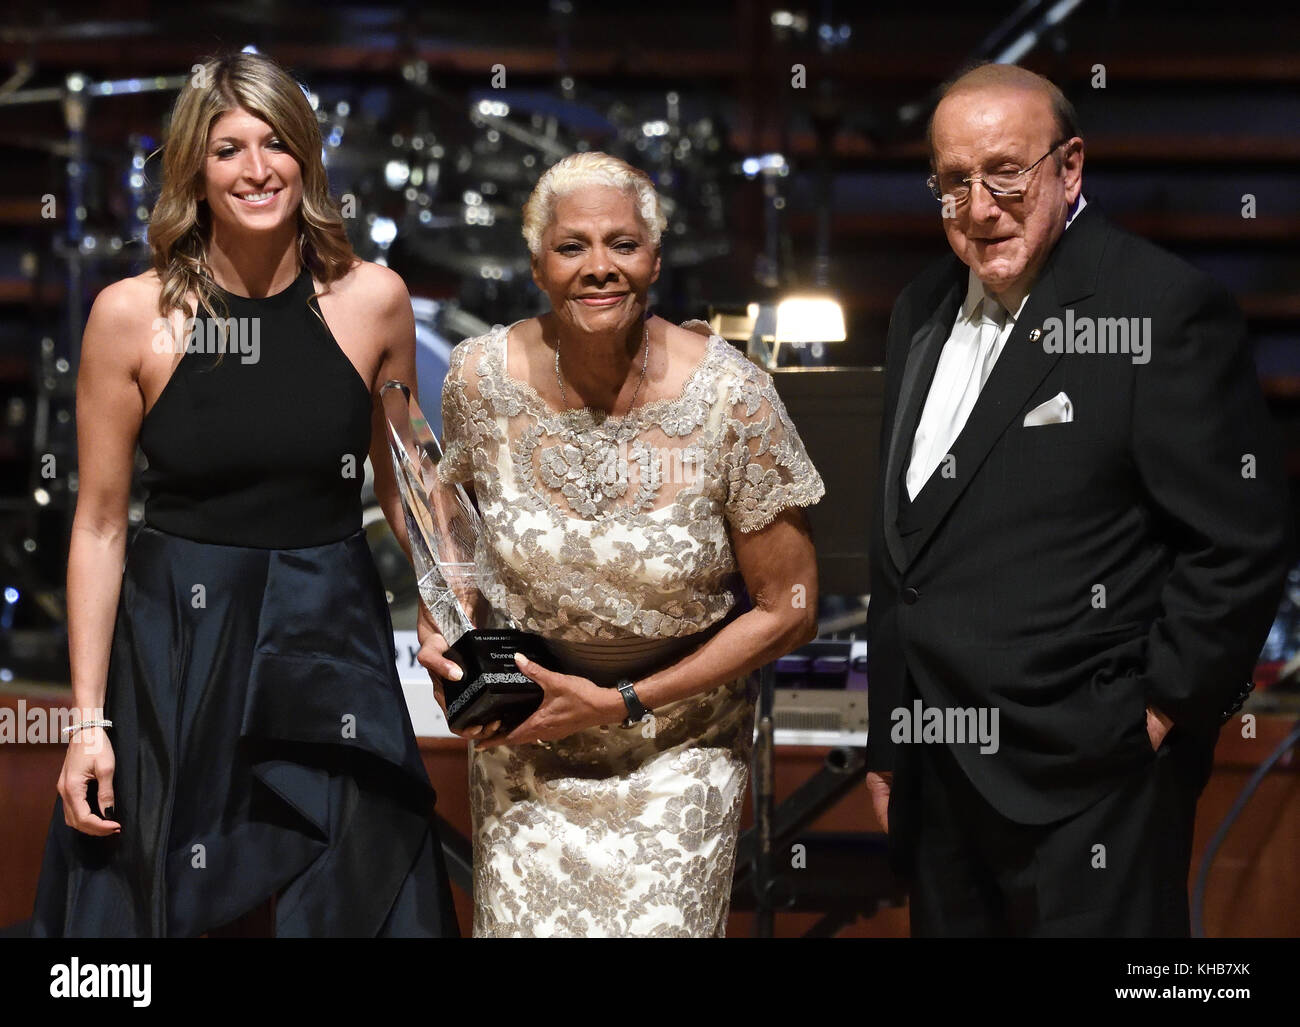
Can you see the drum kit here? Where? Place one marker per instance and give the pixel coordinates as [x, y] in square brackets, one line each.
[430, 181]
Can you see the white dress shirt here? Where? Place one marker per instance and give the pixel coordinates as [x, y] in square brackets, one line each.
[973, 347]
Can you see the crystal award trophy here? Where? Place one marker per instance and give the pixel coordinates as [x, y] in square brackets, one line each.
[443, 528]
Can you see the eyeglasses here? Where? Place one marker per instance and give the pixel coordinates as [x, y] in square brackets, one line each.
[1001, 185]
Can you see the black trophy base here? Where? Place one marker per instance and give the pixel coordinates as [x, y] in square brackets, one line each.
[493, 687]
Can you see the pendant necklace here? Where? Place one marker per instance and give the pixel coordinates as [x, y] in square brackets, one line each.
[564, 398]
[591, 467]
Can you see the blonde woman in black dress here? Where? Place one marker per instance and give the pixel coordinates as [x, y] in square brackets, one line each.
[260, 774]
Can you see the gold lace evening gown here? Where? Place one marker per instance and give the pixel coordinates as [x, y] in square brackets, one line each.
[617, 831]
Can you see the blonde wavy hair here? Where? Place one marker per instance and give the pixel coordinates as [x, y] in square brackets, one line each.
[578, 171]
[180, 227]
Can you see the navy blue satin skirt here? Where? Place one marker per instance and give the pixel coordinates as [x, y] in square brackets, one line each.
[262, 747]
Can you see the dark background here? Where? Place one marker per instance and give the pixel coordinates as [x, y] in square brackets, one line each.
[1200, 107]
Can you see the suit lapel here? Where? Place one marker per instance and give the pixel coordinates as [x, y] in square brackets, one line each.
[1070, 275]
[922, 357]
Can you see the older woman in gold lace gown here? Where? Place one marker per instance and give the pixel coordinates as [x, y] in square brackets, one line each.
[636, 480]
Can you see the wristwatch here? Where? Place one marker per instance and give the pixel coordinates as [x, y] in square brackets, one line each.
[636, 712]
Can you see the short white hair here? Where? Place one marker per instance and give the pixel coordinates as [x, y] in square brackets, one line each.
[579, 171]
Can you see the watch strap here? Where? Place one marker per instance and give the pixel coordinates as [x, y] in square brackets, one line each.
[636, 710]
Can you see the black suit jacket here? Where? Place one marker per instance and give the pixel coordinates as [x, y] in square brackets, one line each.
[986, 595]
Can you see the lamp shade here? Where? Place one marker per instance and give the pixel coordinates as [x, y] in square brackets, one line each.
[809, 319]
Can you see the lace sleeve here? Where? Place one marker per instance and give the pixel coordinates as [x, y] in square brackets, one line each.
[457, 465]
[767, 468]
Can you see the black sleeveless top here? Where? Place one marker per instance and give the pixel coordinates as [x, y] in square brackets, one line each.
[267, 447]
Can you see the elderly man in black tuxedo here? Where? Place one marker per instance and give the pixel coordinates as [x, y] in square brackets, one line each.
[1078, 547]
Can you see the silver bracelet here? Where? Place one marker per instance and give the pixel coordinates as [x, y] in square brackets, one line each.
[68, 732]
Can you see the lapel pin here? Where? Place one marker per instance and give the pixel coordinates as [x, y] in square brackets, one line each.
[1035, 334]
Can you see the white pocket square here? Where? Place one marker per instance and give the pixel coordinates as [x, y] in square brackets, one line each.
[1057, 410]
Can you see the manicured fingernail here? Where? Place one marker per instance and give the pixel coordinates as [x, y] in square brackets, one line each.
[520, 659]
[455, 673]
